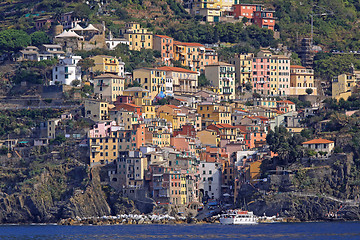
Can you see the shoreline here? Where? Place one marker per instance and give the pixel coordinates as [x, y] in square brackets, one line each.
[114, 220]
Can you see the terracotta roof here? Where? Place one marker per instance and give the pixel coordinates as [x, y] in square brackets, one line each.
[172, 106]
[220, 64]
[242, 128]
[297, 66]
[224, 125]
[176, 69]
[240, 110]
[126, 104]
[318, 141]
[107, 75]
[285, 101]
[181, 100]
[258, 117]
[163, 36]
[188, 44]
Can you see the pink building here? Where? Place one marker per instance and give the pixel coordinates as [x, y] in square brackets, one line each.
[183, 143]
[261, 75]
[101, 129]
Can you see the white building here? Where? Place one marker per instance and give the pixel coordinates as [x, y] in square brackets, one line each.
[112, 42]
[66, 71]
[169, 91]
[320, 145]
[210, 183]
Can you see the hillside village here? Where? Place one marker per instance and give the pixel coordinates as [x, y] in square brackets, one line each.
[192, 130]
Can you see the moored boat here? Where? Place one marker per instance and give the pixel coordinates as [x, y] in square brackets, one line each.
[238, 217]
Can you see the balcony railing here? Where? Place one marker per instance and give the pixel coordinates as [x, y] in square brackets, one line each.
[102, 84]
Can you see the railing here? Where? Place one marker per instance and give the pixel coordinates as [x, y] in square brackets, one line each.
[102, 84]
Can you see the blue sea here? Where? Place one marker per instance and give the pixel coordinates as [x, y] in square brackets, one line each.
[318, 231]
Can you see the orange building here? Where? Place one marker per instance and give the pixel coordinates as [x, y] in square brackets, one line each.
[194, 55]
[165, 45]
[265, 19]
[129, 107]
[214, 154]
[139, 135]
[246, 10]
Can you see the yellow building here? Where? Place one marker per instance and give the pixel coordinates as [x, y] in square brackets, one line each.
[266, 102]
[149, 111]
[212, 10]
[301, 78]
[138, 37]
[176, 120]
[183, 189]
[139, 95]
[194, 55]
[96, 110]
[215, 112]
[103, 149]
[253, 171]
[184, 81]
[243, 68]
[108, 64]
[151, 79]
[343, 85]
[109, 86]
[161, 139]
[271, 74]
[222, 77]
[208, 137]
[124, 118]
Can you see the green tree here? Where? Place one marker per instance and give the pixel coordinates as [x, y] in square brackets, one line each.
[85, 65]
[203, 81]
[75, 83]
[13, 40]
[39, 38]
[309, 91]
[287, 146]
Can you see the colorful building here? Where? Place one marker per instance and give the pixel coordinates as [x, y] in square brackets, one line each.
[208, 137]
[271, 74]
[109, 86]
[183, 80]
[194, 55]
[243, 68]
[103, 147]
[165, 45]
[108, 64]
[211, 10]
[264, 19]
[246, 10]
[138, 37]
[151, 79]
[301, 78]
[96, 110]
[320, 146]
[222, 77]
[343, 85]
[214, 112]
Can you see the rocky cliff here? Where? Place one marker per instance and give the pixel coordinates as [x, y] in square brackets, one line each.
[312, 189]
[56, 195]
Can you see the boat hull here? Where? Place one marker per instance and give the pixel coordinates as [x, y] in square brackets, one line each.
[237, 221]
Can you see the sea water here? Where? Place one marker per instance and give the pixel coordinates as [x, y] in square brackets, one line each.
[277, 231]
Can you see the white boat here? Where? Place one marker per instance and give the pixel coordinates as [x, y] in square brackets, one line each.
[238, 217]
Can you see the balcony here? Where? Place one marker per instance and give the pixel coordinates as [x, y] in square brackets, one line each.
[246, 71]
[226, 79]
[66, 72]
[102, 84]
